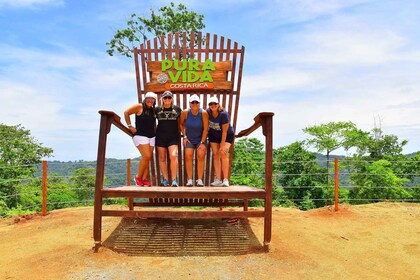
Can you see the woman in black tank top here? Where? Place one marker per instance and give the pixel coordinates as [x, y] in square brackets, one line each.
[144, 134]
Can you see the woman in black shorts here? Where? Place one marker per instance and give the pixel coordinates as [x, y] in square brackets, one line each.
[220, 138]
[167, 136]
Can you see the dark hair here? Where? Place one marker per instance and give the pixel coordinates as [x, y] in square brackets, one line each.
[148, 111]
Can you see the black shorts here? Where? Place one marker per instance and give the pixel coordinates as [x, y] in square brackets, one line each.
[229, 139]
[163, 142]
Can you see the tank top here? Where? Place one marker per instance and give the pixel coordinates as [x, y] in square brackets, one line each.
[194, 126]
[145, 124]
[167, 122]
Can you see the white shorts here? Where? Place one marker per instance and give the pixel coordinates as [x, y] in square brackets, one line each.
[143, 140]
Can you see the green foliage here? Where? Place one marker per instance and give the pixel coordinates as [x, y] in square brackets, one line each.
[60, 194]
[167, 20]
[248, 163]
[379, 182]
[82, 182]
[299, 175]
[333, 135]
[19, 154]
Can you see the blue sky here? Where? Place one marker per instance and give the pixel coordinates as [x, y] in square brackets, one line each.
[308, 61]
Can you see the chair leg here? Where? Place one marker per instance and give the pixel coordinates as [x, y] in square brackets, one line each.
[97, 224]
[267, 225]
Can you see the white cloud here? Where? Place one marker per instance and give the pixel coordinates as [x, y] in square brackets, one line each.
[30, 3]
[59, 95]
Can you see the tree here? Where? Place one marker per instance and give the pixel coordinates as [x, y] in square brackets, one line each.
[167, 20]
[248, 163]
[19, 154]
[378, 182]
[300, 176]
[334, 135]
[83, 183]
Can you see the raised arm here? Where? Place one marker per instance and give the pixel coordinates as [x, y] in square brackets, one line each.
[135, 109]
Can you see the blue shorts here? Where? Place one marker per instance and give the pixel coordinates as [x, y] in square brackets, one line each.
[192, 146]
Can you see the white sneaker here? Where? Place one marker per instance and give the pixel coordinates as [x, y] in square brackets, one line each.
[189, 183]
[216, 183]
[199, 183]
[225, 183]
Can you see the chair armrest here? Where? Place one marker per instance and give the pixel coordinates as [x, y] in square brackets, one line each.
[258, 120]
[116, 120]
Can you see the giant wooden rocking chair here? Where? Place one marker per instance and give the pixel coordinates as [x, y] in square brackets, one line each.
[225, 61]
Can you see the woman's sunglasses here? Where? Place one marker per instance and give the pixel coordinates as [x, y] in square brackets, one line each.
[194, 102]
[167, 97]
[212, 103]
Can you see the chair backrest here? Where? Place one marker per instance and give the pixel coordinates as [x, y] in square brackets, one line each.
[189, 64]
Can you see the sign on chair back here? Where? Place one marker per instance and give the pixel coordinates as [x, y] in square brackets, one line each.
[191, 64]
[187, 64]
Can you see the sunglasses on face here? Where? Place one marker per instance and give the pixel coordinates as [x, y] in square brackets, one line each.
[167, 97]
[212, 104]
[194, 102]
[150, 99]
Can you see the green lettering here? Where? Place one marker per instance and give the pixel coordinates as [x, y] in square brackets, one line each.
[166, 64]
[206, 77]
[208, 65]
[182, 67]
[174, 78]
[193, 76]
[193, 64]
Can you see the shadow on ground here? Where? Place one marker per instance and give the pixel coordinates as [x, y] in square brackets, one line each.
[186, 237]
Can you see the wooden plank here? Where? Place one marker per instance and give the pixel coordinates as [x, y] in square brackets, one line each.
[182, 202]
[174, 214]
[240, 192]
[218, 85]
[156, 66]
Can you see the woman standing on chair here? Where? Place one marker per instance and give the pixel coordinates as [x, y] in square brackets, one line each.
[144, 134]
[220, 139]
[194, 125]
[167, 136]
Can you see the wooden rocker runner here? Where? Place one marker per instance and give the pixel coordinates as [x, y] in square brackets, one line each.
[207, 66]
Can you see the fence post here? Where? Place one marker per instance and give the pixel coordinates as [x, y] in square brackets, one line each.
[130, 199]
[336, 182]
[44, 187]
[128, 172]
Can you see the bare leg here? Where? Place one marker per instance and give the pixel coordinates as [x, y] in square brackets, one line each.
[201, 154]
[146, 154]
[162, 162]
[189, 153]
[225, 160]
[216, 159]
[173, 154]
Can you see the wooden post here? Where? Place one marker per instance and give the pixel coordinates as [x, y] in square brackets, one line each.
[44, 187]
[128, 172]
[130, 199]
[267, 126]
[336, 182]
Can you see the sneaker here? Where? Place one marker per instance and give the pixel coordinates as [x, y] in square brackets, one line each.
[189, 183]
[146, 183]
[216, 183]
[174, 183]
[225, 183]
[199, 183]
[138, 181]
[165, 183]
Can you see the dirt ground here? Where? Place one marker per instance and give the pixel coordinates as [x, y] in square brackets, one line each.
[376, 241]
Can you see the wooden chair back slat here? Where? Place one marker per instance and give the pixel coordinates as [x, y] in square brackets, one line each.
[223, 52]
